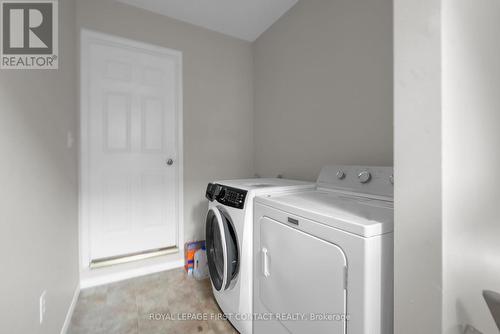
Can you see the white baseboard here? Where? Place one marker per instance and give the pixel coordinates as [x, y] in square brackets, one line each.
[91, 280]
[71, 309]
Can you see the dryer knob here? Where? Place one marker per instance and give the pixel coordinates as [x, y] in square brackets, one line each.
[364, 176]
[340, 174]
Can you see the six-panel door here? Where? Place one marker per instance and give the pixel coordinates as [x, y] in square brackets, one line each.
[132, 133]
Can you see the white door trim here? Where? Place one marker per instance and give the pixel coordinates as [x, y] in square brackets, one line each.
[87, 37]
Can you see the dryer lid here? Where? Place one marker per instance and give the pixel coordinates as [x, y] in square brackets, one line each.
[363, 216]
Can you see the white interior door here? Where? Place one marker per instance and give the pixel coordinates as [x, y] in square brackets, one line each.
[131, 140]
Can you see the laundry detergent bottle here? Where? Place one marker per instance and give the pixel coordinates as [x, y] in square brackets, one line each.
[200, 270]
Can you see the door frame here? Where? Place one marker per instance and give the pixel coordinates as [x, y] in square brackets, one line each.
[87, 37]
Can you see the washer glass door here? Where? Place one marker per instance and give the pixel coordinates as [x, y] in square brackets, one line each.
[222, 249]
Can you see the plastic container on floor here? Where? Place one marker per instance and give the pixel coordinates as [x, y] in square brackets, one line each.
[190, 249]
[200, 270]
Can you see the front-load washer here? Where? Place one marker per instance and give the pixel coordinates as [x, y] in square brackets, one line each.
[229, 241]
[323, 259]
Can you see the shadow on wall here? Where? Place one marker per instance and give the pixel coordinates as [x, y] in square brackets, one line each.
[471, 330]
[197, 216]
[492, 299]
[464, 315]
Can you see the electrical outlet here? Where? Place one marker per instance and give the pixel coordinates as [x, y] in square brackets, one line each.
[43, 305]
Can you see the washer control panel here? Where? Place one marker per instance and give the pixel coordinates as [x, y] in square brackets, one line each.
[226, 195]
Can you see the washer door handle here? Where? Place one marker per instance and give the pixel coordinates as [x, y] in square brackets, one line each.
[224, 246]
[265, 263]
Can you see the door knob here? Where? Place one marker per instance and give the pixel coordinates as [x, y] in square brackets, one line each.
[170, 162]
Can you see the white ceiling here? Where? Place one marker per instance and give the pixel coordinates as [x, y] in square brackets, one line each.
[245, 19]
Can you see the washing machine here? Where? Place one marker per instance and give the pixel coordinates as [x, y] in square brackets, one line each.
[323, 259]
[229, 241]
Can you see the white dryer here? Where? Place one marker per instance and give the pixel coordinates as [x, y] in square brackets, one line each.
[323, 259]
[229, 241]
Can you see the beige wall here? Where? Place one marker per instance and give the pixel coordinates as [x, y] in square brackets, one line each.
[471, 161]
[218, 96]
[323, 81]
[39, 189]
[417, 165]
[323, 88]
[447, 74]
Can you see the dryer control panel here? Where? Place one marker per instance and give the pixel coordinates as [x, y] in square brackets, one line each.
[377, 181]
[226, 195]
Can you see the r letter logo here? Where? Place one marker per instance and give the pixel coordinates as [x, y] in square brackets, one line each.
[29, 34]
